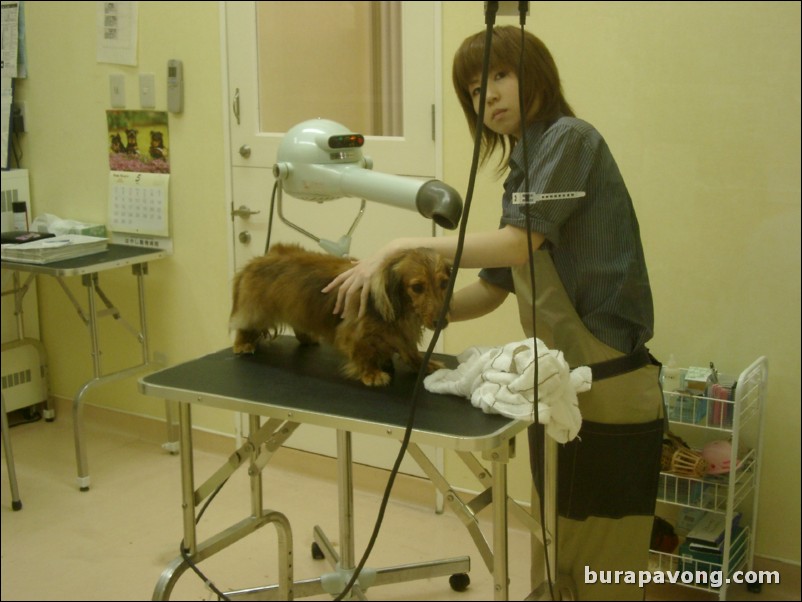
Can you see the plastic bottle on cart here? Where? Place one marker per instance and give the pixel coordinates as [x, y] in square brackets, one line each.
[670, 375]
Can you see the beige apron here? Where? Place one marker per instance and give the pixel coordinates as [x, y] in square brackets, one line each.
[593, 542]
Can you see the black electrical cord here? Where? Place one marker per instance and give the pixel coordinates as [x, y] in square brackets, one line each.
[490, 18]
[15, 144]
[185, 553]
[538, 438]
[270, 219]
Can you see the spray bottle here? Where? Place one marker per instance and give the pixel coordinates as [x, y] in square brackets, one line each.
[670, 375]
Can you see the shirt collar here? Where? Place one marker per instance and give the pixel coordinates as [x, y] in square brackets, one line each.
[533, 133]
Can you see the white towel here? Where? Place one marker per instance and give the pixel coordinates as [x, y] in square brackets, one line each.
[500, 380]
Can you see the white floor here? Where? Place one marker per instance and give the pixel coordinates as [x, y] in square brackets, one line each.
[114, 541]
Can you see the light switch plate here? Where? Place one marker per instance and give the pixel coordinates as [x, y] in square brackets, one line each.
[117, 90]
[147, 91]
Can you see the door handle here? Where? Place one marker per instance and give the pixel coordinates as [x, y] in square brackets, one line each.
[244, 212]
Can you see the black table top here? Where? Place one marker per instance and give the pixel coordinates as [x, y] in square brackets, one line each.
[303, 384]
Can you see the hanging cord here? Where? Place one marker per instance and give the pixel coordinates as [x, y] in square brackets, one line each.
[16, 148]
[538, 439]
[490, 17]
[270, 219]
[185, 552]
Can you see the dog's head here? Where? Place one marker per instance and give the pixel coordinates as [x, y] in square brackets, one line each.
[117, 143]
[415, 281]
[156, 139]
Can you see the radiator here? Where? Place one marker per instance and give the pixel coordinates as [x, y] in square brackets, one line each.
[24, 373]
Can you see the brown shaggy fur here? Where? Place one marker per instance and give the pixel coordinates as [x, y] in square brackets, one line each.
[284, 288]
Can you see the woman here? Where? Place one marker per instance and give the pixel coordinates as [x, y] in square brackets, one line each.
[593, 297]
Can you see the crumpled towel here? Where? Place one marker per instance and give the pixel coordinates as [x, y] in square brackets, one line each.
[500, 380]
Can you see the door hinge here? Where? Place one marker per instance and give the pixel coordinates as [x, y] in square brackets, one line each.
[433, 121]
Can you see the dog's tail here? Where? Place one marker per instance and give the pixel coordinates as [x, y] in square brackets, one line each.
[276, 249]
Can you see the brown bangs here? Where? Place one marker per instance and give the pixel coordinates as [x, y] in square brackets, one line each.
[537, 74]
[466, 70]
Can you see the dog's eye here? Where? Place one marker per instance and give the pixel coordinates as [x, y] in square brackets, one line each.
[444, 284]
[418, 288]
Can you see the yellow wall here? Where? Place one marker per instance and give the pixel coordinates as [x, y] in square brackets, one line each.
[700, 103]
[66, 96]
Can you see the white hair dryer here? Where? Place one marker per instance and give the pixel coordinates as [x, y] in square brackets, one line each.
[321, 160]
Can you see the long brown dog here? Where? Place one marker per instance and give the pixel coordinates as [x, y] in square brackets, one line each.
[283, 288]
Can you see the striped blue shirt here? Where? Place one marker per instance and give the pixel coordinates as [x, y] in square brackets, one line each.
[584, 210]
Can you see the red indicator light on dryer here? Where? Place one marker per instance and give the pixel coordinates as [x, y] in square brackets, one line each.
[346, 141]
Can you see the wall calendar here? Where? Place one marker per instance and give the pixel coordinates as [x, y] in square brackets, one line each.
[138, 203]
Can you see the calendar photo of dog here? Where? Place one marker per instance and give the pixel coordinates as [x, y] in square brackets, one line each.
[283, 289]
[157, 149]
[117, 145]
[139, 141]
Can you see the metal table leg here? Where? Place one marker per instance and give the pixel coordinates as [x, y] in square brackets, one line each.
[16, 503]
[195, 552]
[90, 281]
[501, 582]
[344, 564]
[544, 575]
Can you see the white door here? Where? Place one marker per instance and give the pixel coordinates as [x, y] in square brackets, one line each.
[290, 62]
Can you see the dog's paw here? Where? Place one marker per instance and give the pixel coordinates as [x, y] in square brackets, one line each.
[247, 341]
[244, 348]
[375, 378]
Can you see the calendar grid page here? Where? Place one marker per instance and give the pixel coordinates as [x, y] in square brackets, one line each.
[138, 203]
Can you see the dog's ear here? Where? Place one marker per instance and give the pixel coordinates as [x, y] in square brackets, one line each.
[385, 289]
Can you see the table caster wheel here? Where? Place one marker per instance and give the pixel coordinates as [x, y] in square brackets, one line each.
[317, 553]
[459, 582]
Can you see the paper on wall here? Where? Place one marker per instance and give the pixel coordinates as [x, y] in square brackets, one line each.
[116, 32]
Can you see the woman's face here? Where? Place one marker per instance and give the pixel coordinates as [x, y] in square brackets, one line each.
[502, 110]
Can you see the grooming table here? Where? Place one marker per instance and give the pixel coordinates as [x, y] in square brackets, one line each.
[289, 384]
[89, 267]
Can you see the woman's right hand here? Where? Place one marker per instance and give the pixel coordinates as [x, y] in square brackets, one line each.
[353, 285]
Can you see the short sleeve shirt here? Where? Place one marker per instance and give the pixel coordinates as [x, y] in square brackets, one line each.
[579, 202]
